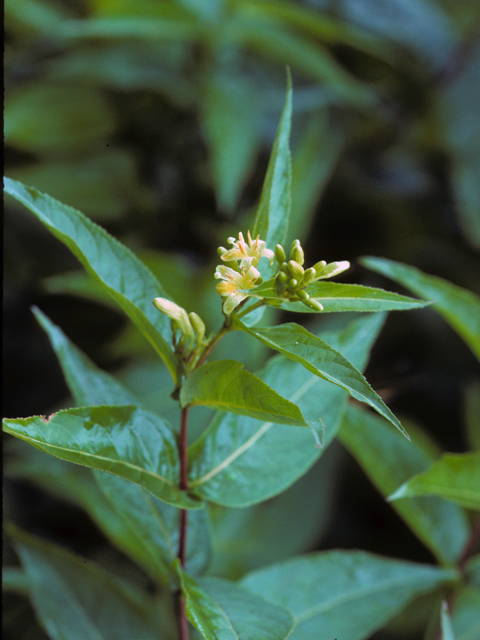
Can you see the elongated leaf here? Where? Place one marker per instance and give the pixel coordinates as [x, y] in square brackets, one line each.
[455, 477]
[340, 297]
[388, 461]
[465, 618]
[271, 221]
[459, 307]
[221, 610]
[236, 460]
[225, 385]
[87, 383]
[133, 443]
[320, 358]
[144, 527]
[114, 267]
[76, 600]
[343, 594]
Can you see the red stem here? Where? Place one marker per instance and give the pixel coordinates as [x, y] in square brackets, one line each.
[183, 522]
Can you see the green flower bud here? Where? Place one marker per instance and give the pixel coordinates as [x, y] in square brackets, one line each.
[319, 267]
[303, 295]
[313, 304]
[280, 254]
[179, 317]
[295, 243]
[297, 255]
[221, 251]
[292, 284]
[309, 276]
[295, 269]
[198, 325]
[284, 267]
[282, 278]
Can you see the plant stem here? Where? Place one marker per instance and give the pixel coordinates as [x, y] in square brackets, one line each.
[183, 521]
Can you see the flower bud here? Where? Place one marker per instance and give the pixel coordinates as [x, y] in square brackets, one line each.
[295, 269]
[198, 325]
[280, 254]
[319, 268]
[313, 304]
[292, 284]
[303, 295]
[297, 254]
[178, 315]
[295, 243]
[309, 276]
[282, 277]
[221, 251]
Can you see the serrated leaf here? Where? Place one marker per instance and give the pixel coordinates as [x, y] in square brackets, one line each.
[112, 265]
[295, 342]
[227, 386]
[236, 460]
[455, 477]
[221, 610]
[388, 461]
[343, 594]
[75, 599]
[271, 220]
[459, 307]
[133, 443]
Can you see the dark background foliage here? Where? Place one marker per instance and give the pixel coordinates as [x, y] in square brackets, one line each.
[156, 119]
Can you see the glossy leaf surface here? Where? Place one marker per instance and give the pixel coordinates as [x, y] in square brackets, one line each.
[133, 443]
[321, 359]
[221, 610]
[236, 460]
[75, 599]
[459, 307]
[389, 460]
[112, 265]
[227, 386]
[455, 477]
[343, 594]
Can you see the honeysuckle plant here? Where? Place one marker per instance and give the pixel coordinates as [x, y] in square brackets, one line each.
[153, 492]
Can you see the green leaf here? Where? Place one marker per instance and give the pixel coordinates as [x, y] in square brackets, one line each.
[114, 267]
[388, 461]
[225, 385]
[455, 477]
[343, 594]
[236, 460]
[221, 610]
[87, 383]
[271, 221]
[230, 122]
[132, 443]
[150, 528]
[340, 297]
[75, 599]
[459, 307]
[465, 618]
[321, 359]
[472, 414]
[446, 623]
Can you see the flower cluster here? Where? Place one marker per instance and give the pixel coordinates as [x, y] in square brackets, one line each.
[240, 273]
[237, 280]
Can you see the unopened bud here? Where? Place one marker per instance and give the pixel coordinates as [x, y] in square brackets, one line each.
[292, 284]
[333, 269]
[302, 294]
[221, 251]
[309, 276]
[319, 267]
[295, 243]
[198, 325]
[295, 269]
[280, 254]
[178, 315]
[313, 304]
[282, 277]
[297, 254]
